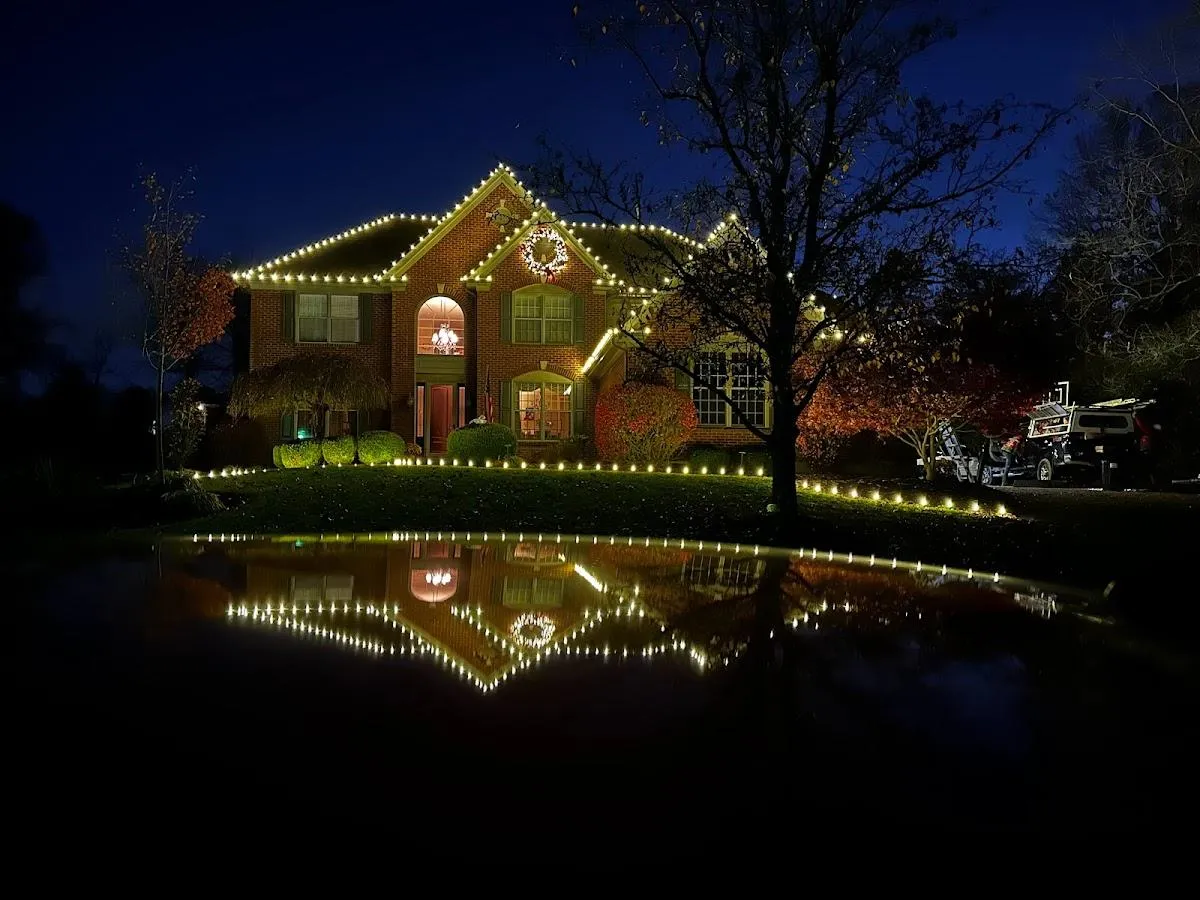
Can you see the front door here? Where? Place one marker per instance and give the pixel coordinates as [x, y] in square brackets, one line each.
[441, 416]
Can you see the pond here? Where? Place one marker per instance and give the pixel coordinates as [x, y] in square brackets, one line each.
[612, 680]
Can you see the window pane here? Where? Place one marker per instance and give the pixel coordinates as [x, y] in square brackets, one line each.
[306, 589]
[312, 306]
[339, 588]
[557, 414]
[441, 328]
[462, 406]
[747, 389]
[314, 329]
[558, 331]
[304, 424]
[344, 307]
[710, 369]
[528, 331]
[527, 306]
[559, 306]
[345, 331]
[529, 410]
[420, 410]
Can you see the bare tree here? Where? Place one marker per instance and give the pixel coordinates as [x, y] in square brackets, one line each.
[837, 196]
[1125, 221]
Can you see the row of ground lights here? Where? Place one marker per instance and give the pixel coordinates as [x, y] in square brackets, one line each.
[815, 487]
[870, 560]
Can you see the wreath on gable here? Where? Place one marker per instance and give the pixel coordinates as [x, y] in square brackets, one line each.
[544, 252]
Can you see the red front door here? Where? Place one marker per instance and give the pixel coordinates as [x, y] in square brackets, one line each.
[441, 415]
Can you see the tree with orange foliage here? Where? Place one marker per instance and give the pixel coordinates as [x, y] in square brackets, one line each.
[186, 303]
[917, 403]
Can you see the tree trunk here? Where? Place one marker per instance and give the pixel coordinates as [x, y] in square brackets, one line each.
[782, 444]
[929, 456]
[320, 412]
[159, 425]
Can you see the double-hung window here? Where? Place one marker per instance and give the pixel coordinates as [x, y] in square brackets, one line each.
[327, 319]
[741, 376]
[543, 318]
[543, 410]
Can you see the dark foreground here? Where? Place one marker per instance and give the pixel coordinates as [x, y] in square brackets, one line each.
[559, 685]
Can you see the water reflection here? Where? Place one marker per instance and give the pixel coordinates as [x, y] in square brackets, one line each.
[489, 610]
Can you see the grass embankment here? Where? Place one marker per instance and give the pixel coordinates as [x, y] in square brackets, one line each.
[654, 505]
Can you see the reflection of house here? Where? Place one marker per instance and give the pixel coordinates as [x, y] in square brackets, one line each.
[485, 610]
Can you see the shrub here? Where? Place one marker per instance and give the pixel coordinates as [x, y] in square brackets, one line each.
[338, 451]
[277, 456]
[643, 422]
[379, 448]
[300, 455]
[712, 457]
[479, 442]
[414, 449]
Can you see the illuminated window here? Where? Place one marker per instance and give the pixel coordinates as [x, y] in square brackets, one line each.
[543, 315]
[722, 576]
[301, 424]
[534, 554]
[741, 376]
[542, 410]
[327, 318]
[313, 589]
[532, 592]
[441, 328]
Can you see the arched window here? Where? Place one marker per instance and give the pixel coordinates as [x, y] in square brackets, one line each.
[440, 328]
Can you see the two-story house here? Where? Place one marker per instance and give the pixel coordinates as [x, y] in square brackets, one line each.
[495, 308]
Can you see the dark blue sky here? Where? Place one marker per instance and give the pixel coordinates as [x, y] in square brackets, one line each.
[302, 118]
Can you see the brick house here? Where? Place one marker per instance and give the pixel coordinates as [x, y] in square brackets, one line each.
[496, 307]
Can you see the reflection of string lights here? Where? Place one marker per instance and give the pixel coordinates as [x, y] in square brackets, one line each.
[533, 630]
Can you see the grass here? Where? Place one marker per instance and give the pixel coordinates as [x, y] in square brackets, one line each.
[653, 505]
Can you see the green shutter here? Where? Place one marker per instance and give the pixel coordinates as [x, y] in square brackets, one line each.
[506, 318]
[506, 403]
[364, 318]
[577, 299]
[289, 316]
[287, 426]
[579, 402]
[683, 382]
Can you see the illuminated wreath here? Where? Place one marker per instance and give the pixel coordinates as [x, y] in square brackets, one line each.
[538, 259]
[533, 630]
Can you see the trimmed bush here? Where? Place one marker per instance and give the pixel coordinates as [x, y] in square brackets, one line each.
[277, 455]
[480, 442]
[379, 448]
[643, 422]
[338, 451]
[301, 455]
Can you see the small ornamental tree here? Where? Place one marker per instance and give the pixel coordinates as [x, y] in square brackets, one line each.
[316, 382]
[915, 403]
[185, 303]
[643, 422]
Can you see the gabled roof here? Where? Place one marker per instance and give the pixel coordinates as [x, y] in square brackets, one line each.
[382, 250]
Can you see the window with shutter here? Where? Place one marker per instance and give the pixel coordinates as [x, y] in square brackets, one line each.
[325, 318]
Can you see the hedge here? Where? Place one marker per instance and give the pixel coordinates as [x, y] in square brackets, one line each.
[338, 451]
[277, 455]
[378, 448]
[301, 455]
[480, 442]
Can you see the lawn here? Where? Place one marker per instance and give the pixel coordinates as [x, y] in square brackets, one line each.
[654, 505]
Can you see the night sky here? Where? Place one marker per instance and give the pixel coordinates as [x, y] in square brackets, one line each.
[303, 118]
